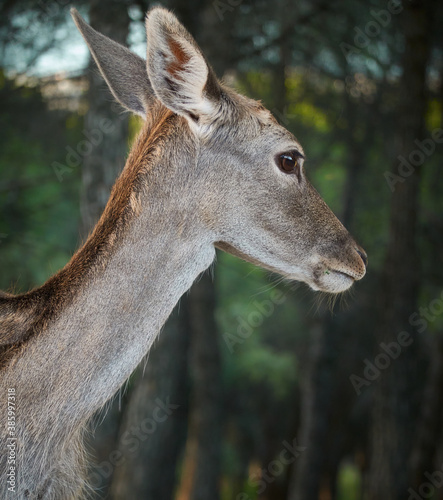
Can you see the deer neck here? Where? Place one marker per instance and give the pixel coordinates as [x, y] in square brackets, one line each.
[87, 352]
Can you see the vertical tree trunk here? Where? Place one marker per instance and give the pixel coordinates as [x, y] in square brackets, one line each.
[316, 406]
[151, 438]
[397, 393]
[106, 126]
[356, 154]
[279, 70]
[201, 469]
[429, 433]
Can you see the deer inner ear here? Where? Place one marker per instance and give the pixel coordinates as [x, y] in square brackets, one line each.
[181, 59]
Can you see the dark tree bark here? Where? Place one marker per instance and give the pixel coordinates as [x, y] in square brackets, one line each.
[151, 439]
[430, 436]
[356, 148]
[279, 71]
[106, 126]
[316, 409]
[398, 392]
[189, 14]
[201, 476]
[429, 433]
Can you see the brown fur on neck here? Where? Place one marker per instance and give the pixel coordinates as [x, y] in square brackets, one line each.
[26, 315]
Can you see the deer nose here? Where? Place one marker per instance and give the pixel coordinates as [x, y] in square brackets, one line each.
[363, 255]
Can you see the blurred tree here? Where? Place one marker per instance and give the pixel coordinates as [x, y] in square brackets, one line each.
[429, 431]
[201, 467]
[34, 238]
[106, 125]
[398, 393]
[28, 30]
[429, 435]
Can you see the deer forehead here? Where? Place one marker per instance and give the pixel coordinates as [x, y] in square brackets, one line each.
[247, 124]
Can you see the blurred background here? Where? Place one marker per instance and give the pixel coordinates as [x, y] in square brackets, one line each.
[255, 389]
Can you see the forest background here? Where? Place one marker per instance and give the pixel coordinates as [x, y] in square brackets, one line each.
[256, 388]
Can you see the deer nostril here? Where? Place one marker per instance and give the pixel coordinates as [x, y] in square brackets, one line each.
[363, 256]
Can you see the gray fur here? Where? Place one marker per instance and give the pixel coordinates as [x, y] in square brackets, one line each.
[124, 71]
[205, 177]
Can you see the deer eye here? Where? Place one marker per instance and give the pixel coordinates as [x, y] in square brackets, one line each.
[289, 163]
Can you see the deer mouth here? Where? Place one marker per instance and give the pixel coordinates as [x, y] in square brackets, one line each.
[341, 279]
[335, 275]
[332, 281]
[328, 279]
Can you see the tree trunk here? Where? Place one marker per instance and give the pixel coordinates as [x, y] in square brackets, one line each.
[201, 469]
[429, 433]
[430, 436]
[398, 389]
[105, 144]
[151, 437]
[316, 409]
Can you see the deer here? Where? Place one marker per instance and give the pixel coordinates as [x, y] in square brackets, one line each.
[210, 169]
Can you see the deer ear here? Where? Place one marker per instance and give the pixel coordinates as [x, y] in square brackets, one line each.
[178, 72]
[124, 72]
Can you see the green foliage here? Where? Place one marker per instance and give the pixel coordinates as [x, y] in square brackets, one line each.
[39, 215]
[349, 482]
[275, 372]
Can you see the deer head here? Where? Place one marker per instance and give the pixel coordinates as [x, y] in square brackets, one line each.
[247, 183]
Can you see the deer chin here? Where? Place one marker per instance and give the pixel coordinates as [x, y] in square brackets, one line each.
[332, 282]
